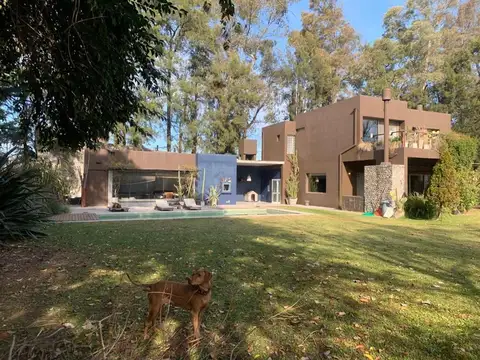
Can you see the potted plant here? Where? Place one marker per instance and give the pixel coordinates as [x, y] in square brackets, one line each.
[395, 143]
[365, 146]
[213, 196]
[292, 183]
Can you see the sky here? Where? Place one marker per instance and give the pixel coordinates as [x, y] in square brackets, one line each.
[366, 16]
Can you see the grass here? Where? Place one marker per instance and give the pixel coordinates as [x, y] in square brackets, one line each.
[329, 285]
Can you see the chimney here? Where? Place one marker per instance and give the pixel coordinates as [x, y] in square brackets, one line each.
[247, 149]
[386, 97]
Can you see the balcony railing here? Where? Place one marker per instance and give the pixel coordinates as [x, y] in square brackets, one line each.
[415, 139]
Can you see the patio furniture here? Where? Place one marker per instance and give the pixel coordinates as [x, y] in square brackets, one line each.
[162, 205]
[190, 204]
[116, 207]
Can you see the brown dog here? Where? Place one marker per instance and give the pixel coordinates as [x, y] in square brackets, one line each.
[193, 296]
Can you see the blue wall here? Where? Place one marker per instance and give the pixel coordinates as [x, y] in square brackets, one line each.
[217, 168]
[261, 181]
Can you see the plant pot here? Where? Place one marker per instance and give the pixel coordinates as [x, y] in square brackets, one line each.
[307, 202]
[202, 203]
[292, 201]
[426, 146]
[114, 199]
[415, 146]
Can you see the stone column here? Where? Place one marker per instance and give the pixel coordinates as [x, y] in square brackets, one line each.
[380, 181]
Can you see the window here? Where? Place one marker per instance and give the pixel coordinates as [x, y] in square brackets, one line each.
[317, 183]
[418, 183]
[370, 130]
[145, 184]
[373, 130]
[290, 144]
[226, 187]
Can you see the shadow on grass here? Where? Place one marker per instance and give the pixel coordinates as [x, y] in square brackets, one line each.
[327, 286]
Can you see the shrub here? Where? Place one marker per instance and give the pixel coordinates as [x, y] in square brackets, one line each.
[55, 207]
[293, 180]
[469, 185]
[418, 207]
[22, 200]
[443, 191]
[56, 178]
[463, 148]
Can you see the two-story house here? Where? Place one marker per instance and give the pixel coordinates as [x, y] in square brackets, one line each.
[336, 142]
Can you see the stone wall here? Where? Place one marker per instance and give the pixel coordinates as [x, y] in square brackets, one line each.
[380, 181]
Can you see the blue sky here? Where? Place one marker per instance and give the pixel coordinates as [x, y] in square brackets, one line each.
[366, 16]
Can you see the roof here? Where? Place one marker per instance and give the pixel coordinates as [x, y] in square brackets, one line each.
[258, 163]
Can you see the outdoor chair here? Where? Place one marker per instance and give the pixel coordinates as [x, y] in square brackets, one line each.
[190, 204]
[162, 205]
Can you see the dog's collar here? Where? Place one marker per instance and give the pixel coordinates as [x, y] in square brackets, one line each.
[200, 291]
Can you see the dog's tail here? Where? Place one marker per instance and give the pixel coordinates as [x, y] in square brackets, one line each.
[145, 286]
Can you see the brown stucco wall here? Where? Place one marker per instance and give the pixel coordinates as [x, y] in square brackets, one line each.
[274, 147]
[398, 110]
[322, 135]
[247, 147]
[96, 192]
[142, 160]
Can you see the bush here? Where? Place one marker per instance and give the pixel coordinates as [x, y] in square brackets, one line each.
[54, 207]
[22, 200]
[469, 185]
[463, 148]
[418, 207]
[293, 181]
[55, 178]
[444, 191]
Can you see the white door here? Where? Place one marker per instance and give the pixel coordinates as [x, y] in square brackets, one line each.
[276, 198]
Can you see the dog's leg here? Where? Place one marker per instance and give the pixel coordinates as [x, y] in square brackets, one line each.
[196, 323]
[154, 309]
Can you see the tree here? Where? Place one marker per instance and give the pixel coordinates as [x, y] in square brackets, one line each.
[73, 80]
[459, 92]
[323, 52]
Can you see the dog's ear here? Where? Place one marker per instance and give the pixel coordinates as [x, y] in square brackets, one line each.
[208, 275]
[189, 280]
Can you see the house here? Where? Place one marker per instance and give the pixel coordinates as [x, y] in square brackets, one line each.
[345, 160]
[337, 144]
[137, 178]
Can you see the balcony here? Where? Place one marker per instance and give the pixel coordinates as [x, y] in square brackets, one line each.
[419, 143]
[414, 139]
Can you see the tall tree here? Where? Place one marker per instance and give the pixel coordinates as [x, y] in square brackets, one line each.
[323, 51]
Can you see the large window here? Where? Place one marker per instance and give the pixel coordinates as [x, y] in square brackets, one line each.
[290, 144]
[143, 184]
[317, 183]
[374, 129]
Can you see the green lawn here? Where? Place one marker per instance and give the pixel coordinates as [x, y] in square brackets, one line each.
[329, 285]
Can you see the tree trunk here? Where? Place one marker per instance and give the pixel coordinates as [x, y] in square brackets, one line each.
[193, 116]
[169, 112]
[183, 120]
